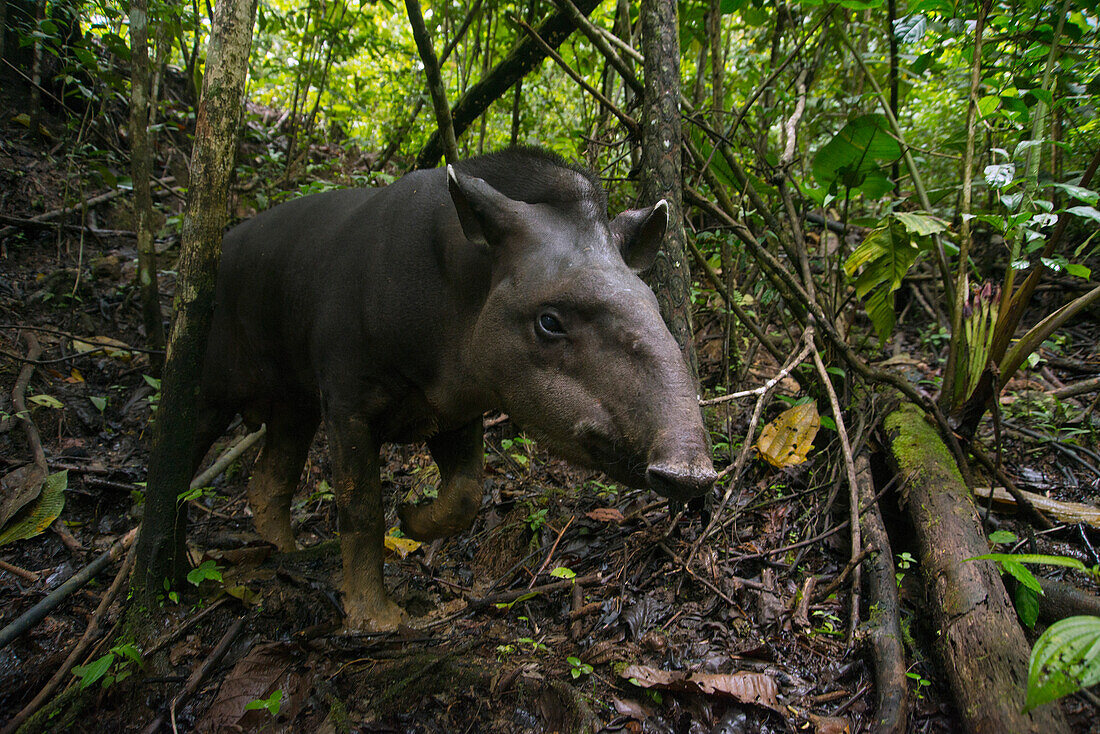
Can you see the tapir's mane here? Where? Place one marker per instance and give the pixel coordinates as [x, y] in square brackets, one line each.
[539, 176]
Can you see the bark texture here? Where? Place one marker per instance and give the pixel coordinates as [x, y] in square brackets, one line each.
[161, 554]
[979, 643]
[525, 57]
[884, 623]
[660, 170]
[141, 169]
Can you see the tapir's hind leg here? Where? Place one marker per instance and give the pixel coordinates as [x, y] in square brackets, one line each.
[277, 471]
[459, 455]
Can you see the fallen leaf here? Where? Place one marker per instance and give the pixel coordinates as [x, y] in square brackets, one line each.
[264, 670]
[633, 709]
[401, 546]
[787, 440]
[830, 724]
[606, 514]
[113, 348]
[46, 401]
[746, 687]
[17, 488]
[32, 520]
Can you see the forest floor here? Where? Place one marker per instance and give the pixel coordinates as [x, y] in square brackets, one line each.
[616, 636]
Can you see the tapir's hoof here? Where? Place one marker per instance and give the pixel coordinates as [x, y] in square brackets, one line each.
[384, 617]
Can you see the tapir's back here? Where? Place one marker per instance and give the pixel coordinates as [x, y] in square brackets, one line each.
[316, 274]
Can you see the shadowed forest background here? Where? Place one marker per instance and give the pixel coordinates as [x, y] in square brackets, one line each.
[880, 268]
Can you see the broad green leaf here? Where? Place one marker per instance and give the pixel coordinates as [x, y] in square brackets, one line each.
[1087, 212]
[855, 151]
[1000, 175]
[1080, 193]
[1066, 658]
[1078, 270]
[1002, 536]
[988, 105]
[30, 522]
[883, 259]
[921, 225]
[94, 670]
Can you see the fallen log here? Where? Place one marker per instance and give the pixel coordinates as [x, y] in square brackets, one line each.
[884, 640]
[979, 643]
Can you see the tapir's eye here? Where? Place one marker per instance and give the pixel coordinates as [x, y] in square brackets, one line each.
[549, 326]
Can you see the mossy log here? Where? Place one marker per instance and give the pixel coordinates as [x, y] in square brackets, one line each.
[979, 642]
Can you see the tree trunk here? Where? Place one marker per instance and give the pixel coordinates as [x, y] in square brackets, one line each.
[161, 553]
[527, 55]
[141, 168]
[979, 642]
[435, 80]
[661, 151]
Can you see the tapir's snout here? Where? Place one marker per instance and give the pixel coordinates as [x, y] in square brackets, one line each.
[680, 481]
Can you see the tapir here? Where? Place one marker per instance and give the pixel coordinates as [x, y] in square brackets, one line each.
[404, 313]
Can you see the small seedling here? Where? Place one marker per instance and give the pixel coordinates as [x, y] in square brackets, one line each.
[578, 668]
[206, 571]
[271, 704]
[110, 668]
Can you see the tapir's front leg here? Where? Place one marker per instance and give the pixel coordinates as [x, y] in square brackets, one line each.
[361, 523]
[459, 455]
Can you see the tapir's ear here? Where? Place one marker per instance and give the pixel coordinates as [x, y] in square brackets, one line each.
[485, 213]
[639, 233]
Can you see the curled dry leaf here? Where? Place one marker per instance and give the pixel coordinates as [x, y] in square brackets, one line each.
[746, 687]
[787, 440]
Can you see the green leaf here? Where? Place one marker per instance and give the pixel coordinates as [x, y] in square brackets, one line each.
[30, 522]
[1027, 605]
[1079, 192]
[921, 225]
[1003, 537]
[271, 704]
[1087, 212]
[99, 403]
[1066, 658]
[561, 572]
[884, 257]
[94, 670]
[1078, 270]
[46, 401]
[988, 105]
[855, 152]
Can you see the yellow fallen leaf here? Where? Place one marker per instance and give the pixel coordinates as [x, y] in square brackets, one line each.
[787, 440]
[113, 348]
[75, 376]
[401, 546]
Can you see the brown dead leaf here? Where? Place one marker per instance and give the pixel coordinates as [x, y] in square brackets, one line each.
[19, 487]
[633, 709]
[264, 670]
[746, 687]
[606, 514]
[787, 440]
[830, 724]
